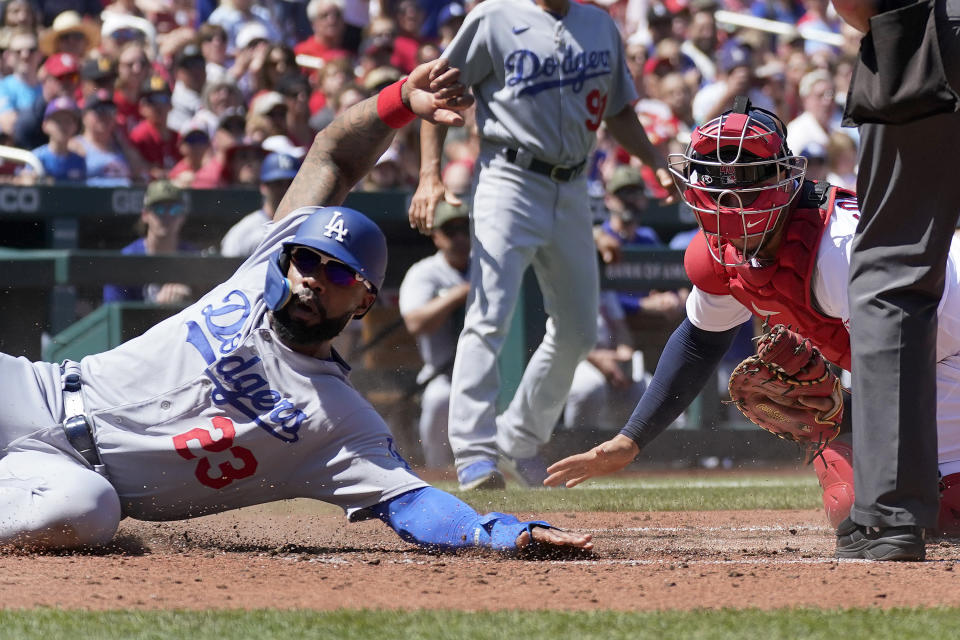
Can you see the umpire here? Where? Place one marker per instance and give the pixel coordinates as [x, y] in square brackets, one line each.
[904, 98]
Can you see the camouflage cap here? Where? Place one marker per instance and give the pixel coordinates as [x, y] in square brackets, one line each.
[445, 212]
[161, 191]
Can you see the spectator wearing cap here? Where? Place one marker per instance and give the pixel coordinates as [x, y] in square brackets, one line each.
[213, 47]
[218, 98]
[190, 74]
[276, 174]
[449, 19]
[155, 141]
[409, 19]
[109, 157]
[236, 14]
[243, 162]
[118, 29]
[816, 155]
[194, 145]
[326, 43]
[61, 122]
[228, 132]
[70, 33]
[161, 221]
[272, 109]
[735, 76]
[20, 90]
[820, 113]
[133, 71]
[379, 78]
[249, 52]
[59, 77]
[659, 23]
[296, 94]
[432, 300]
[97, 73]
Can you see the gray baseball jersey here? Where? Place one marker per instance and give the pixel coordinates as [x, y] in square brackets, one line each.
[541, 83]
[208, 411]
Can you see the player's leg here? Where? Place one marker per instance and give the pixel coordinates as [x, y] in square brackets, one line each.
[434, 410]
[567, 273]
[908, 197]
[50, 501]
[31, 398]
[503, 244]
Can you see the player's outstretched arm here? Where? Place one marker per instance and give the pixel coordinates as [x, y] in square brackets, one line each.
[627, 130]
[437, 520]
[349, 146]
[605, 458]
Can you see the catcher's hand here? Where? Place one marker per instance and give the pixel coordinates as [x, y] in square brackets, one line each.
[788, 389]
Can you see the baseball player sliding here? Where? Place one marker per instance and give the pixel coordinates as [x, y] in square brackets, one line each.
[546, 75]
[777, 246]
[240, 399]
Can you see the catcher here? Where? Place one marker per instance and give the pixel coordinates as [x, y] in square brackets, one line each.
[777, 246]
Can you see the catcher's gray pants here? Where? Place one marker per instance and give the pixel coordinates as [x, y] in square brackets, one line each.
[909, 201]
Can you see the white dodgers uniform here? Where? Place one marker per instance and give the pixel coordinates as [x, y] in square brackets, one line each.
[206, 411]
[428, 279]
[543, 86]
[829, 288]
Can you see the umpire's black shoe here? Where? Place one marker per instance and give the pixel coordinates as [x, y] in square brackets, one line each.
[883, 543]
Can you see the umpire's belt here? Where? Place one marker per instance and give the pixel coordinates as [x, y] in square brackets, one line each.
[555, 172]
[76, 425]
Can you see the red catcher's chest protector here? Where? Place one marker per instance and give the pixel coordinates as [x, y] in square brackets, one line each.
[781, 291]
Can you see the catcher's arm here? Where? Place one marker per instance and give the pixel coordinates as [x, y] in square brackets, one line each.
[349, 146]
[688, 361]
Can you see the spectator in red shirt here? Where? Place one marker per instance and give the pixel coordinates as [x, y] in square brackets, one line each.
[194, 147]
[409, 19]
[156, 142]
[228, 134]
[326, 17]
[133, 70]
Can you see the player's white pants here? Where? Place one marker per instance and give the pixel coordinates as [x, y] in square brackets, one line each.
[50, 501]
[520, 219]
[948, 415]
[434, 413]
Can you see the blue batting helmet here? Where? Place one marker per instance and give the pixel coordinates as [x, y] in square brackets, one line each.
[339, 232]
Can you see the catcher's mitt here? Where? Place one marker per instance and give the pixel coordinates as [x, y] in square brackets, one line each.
[769, 386]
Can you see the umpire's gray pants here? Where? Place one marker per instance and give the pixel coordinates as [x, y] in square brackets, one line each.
[909, 191]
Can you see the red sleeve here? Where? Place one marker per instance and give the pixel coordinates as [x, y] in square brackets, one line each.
[702, 269]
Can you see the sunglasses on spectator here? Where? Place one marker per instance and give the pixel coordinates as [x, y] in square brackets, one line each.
[69, 77]
[28, 51]
[126, 34]
[168, 208]
[310, 263]
[72, 35]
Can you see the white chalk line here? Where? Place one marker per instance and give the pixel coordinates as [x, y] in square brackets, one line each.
[692, 529]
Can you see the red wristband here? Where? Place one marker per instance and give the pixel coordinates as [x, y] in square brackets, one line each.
[390, 106]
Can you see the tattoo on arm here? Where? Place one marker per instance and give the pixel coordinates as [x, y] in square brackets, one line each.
[340, 156]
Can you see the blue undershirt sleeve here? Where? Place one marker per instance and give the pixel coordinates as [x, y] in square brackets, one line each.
[435, 519]
[688, 362]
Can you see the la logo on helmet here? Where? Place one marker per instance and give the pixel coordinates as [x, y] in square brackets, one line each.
[335, 227]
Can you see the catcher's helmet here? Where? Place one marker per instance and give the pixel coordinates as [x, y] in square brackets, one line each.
[738, 176]
[339, 232]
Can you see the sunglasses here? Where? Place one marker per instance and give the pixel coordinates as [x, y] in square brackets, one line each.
[168, 208]
[196, 137]
[310, 262]
[158, 98]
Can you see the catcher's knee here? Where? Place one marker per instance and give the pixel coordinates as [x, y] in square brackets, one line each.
[948, 523]
[834, 468]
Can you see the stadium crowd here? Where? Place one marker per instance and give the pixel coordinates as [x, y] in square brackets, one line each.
[129, 91]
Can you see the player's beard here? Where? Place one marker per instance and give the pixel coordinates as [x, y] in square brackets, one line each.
[296, 332]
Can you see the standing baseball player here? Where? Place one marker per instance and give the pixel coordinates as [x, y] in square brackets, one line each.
[240, 399]
[776, 246]
[546, 75]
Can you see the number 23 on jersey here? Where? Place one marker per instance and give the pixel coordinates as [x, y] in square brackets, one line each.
[228, 470]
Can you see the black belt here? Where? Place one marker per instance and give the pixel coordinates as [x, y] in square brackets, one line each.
[76, 426]
[553, 171]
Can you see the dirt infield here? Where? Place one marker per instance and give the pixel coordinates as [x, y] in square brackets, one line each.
[289, 556]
